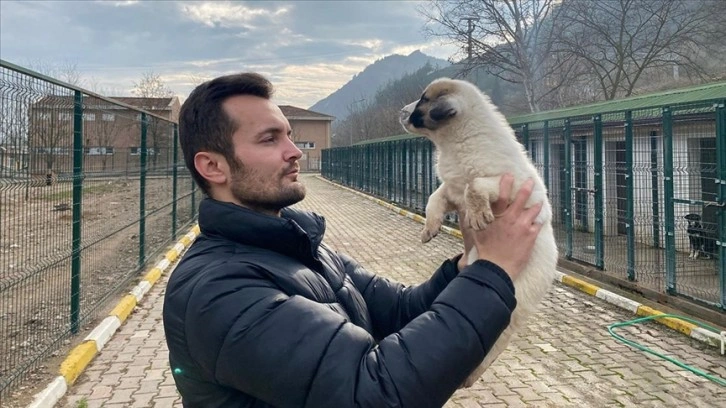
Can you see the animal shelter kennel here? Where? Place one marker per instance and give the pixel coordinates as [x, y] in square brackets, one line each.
[638, 185]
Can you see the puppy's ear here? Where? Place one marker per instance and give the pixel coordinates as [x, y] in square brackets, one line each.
[442, 109]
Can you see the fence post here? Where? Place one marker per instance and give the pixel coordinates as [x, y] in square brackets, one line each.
[323, 163]
[630, 195]
[353, 163]
[77, 211]
[142, 192]
[174, 175]
[402, 178]
[546, 152]
[568, 189]
[525, 136]
[670, 238]
[655, 194]
[384, 168]
[599, 230]
[721, 160]
[411, 174]
[390, 163]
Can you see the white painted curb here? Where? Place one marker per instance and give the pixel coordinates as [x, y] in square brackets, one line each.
[51, 394]
[103, 332]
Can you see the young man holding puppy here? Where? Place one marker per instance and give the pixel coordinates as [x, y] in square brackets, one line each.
[261, 313]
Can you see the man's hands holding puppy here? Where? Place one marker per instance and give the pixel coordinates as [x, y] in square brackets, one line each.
[509, 240]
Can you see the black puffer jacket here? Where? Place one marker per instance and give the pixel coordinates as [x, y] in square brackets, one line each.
[260, 313]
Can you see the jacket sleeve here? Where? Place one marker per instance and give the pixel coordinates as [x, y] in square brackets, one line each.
[392, 305]
[293, 352]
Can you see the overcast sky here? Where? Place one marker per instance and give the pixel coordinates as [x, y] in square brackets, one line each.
[307, 48]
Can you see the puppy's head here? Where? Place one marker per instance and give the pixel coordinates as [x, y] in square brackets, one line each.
[440, 105]
[693, 219]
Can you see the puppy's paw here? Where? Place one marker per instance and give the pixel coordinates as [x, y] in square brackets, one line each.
[478, 220]
[427, 234]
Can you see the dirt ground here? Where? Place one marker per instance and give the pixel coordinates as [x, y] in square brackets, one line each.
[35, 266]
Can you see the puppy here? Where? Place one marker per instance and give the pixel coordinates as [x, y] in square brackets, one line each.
[695, 234]
[475, 146]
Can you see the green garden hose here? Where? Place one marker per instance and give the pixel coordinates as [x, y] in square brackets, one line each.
[631, 343]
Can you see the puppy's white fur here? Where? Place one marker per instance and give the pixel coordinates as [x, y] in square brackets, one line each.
[475, 146]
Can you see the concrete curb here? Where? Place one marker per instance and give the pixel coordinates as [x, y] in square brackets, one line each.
[79, 358]
[691, 330]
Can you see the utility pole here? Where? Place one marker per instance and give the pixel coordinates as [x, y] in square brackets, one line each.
[470, 29]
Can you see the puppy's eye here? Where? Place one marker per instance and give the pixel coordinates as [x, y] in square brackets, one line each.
[424, 98]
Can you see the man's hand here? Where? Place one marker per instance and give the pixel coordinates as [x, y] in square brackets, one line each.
[508, 241]
[506, 184]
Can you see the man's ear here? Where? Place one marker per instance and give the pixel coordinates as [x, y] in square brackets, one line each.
[212, 166]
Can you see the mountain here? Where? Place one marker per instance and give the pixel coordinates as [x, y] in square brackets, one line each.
[364, 85]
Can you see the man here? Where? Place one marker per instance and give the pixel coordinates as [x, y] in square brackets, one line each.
[261, 313]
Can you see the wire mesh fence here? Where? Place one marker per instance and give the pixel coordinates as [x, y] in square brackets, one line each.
[637, 193]
[92, 190]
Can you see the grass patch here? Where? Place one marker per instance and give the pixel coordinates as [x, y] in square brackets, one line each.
[82, 403]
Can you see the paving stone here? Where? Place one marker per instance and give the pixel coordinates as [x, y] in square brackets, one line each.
[564, 358]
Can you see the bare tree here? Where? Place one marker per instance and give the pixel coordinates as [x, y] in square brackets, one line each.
[51, 129]
[620, 41]
[50, 114]
[152, 86]
[66, 71]
[107, 130]
[197, 79]
[13, 130]
[515, 40]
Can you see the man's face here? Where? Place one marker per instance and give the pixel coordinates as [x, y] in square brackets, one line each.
[265, 176]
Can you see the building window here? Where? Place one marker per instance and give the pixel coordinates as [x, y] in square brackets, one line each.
[90, 117]
[99, 151]
[108, 117]
[305, 145]
[62, 151]
[135, 151]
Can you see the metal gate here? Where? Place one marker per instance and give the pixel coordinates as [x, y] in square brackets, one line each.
[695, 178]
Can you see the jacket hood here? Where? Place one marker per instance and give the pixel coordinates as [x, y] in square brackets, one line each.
[295, 233]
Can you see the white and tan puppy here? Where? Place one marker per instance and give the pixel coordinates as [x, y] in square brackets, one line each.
[475, 146]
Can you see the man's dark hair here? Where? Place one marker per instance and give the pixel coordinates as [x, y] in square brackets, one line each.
[205, 126]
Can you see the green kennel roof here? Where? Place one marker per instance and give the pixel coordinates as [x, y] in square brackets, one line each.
[701, 93]
[671, 97]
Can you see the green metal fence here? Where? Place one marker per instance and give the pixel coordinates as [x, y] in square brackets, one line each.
[621, 184]
[91, 192]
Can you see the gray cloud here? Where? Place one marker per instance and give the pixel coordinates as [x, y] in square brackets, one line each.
[309, 48]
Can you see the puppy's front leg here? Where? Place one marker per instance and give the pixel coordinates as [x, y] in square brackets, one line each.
[436, 208]
[478, 196]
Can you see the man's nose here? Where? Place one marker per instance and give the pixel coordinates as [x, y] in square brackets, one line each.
[293, 152]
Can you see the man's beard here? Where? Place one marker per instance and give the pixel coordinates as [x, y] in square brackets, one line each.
[261, 193]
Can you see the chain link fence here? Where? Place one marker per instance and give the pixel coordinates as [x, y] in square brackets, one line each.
[92, 190]
[638, 193]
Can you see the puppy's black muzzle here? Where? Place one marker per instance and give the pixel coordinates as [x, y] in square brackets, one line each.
[416, 119]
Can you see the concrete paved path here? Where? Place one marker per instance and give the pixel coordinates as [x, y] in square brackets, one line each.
[565, 358]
